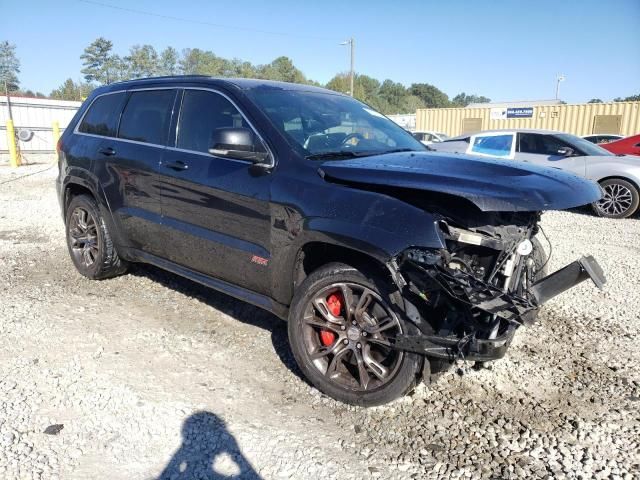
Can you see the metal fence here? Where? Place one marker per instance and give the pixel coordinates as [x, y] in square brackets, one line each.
[36, 115]
[582, 119]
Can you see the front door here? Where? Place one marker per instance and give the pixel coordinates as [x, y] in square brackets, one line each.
[546, 150]
[215, 210]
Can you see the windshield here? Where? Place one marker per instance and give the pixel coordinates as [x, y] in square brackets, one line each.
[585, 146]
[443, 136]
[328, 125]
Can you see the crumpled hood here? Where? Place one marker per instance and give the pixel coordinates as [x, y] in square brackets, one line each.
[491, 184]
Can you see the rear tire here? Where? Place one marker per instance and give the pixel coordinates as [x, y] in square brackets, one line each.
[89, 241]
[621, 199]
[356, 335]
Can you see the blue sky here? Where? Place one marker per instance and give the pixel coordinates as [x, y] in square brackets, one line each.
[506, 50]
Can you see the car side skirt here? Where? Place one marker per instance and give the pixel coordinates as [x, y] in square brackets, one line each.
[257, 299]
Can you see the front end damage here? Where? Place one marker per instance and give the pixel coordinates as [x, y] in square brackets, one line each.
[469, 298]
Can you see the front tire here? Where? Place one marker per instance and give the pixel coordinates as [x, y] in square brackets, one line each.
[339, 324]
[89, 241]
[620, 200]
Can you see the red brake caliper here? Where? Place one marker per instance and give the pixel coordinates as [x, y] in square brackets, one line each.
[334, 302]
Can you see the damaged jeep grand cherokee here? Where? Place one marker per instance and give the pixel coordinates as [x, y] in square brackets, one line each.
[385, 259]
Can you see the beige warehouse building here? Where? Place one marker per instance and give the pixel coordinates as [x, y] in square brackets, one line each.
[581, 119]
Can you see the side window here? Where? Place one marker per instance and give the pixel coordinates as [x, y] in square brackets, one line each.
[201, 114]
[494, 145]
[550, 145]
[102, 116]
[528, 143]
[147, 115]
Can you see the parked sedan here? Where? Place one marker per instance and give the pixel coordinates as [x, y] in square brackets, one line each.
[619, 176]
[427, 138]
[600, 138]
[626, 146]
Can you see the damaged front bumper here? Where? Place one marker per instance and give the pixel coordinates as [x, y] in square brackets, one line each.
[477, 295]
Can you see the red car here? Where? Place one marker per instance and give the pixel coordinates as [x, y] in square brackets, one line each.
[626, 146]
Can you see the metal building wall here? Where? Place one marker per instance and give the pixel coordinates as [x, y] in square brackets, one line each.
[577, 119]
[36, 114]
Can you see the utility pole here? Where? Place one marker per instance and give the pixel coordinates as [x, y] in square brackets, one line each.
[351, 43]
[6, 92]
[559, 78]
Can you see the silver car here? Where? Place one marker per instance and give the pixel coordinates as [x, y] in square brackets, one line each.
[619, 175]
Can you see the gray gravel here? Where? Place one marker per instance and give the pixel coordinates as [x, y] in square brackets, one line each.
[151, 376]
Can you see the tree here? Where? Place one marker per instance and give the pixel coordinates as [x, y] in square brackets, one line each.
[595, 100]
[9, 67]
[462, 99]
[142, 61]
[70, 90]
[200, 62]
[430, 95]
[632, 98]
[99, 64]
[283, 70]
[168, 64]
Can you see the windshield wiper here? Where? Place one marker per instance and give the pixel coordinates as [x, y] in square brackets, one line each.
[338, 154]
[354, 154]
[398, 150]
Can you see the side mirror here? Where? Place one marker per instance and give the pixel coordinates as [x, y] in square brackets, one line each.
[566, 151]
[237, 143]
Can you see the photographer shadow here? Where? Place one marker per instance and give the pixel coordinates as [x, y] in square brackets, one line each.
[208, 452]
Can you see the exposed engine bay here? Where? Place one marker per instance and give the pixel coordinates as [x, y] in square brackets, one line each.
[468, 299]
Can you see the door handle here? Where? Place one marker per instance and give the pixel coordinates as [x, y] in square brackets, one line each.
[108, 151]
[177, 165]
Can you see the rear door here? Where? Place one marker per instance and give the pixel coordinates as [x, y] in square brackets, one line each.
[129, 166]
[215, 210]
[546, 150]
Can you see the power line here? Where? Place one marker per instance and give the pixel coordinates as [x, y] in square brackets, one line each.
[202, 22]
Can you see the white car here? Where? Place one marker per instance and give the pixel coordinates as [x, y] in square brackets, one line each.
[618, 175]
[427, 138]
[599, 138]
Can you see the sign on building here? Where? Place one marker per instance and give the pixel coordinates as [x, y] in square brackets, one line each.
[502, 113]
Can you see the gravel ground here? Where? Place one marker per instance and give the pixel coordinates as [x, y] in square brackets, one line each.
[150, 376]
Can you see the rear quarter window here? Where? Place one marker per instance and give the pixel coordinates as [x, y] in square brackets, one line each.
[102, 116]
[495, 145]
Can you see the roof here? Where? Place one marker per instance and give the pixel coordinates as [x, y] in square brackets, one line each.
[516, 104]
[506, 130]
[241, 83]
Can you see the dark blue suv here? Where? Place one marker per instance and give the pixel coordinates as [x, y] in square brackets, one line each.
[389, 261]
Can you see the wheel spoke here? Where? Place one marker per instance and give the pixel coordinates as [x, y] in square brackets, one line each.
[373, 365]
[86, 256]
[324, 351]
[316, 322]
[347, 296]
[363, 375]
[379, 341]
[384, 324]
[320, 304]
[337, 359]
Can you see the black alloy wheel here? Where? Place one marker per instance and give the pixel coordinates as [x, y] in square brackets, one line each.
[340, 326]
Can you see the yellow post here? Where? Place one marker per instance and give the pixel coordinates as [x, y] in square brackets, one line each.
[14, 159]
[55, 129]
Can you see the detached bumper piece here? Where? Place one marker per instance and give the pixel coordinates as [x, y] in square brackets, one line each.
[472, 292]
[451, 348]
[567, 277]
